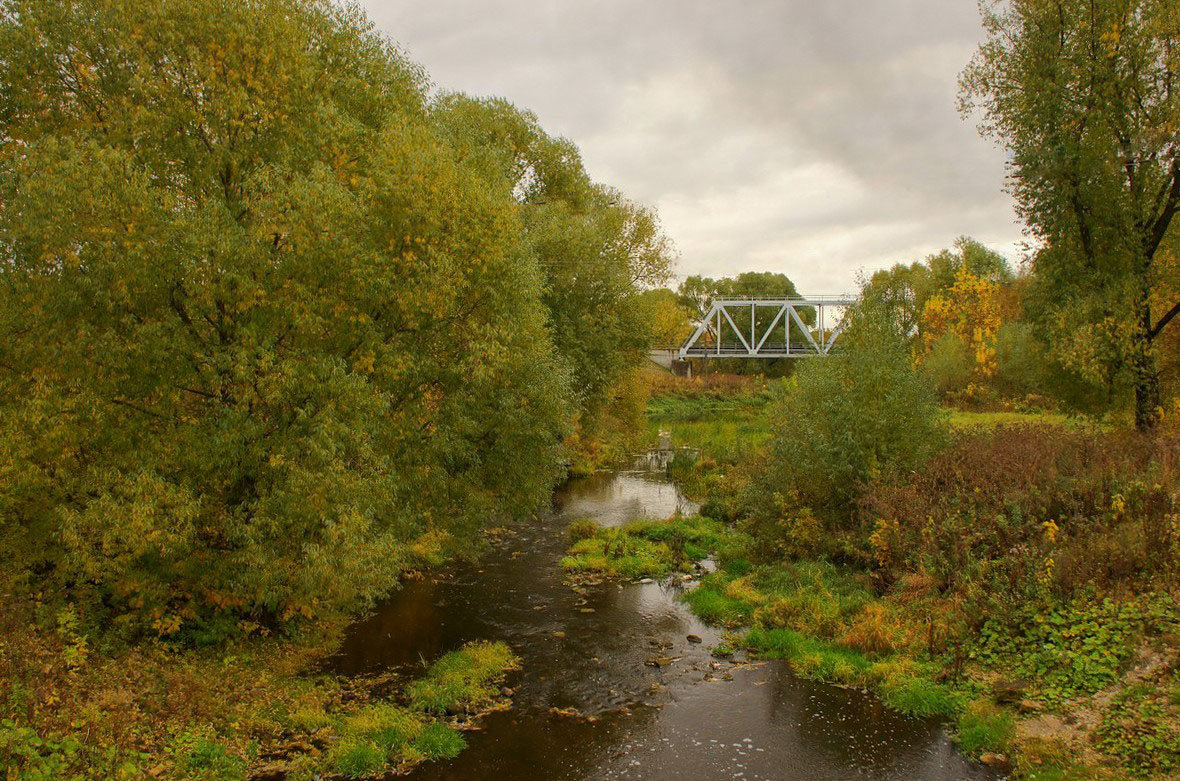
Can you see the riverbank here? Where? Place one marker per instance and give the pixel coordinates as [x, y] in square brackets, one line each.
[1020, 587]
[261, 708]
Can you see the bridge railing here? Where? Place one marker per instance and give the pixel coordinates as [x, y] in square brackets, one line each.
[788, 335]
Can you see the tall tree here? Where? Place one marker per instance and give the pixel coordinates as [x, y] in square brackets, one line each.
[1085, 96]
[597, 251]
[900, 293]
[266, 336]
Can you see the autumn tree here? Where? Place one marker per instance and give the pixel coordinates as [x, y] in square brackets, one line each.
[1084, 95]
[597, 251]
[267, 336]
[969, 311]
[900, 294]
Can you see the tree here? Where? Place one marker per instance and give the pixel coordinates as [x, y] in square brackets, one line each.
[969, 311]
[670, 321]
[900, 294]
[597, 251]
[1084, 95]
[267, 337]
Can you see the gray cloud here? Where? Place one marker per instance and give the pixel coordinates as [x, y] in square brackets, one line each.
[814, 138]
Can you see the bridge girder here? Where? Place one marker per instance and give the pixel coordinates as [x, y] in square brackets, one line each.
[763, 342]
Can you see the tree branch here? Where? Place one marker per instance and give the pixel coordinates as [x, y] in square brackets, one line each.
[1163, 321]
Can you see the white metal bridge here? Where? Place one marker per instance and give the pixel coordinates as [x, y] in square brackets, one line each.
[777, 328]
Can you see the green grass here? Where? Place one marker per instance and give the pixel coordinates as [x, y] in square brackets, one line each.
[964, 420]
[984, 727]
[827, 625]
[917, 696]
[726, 428]
[646, 549]
[438, 741]
[712, 604]
[383, 736]
[463, 680]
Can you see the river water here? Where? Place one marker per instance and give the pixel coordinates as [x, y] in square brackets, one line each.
[591, 702]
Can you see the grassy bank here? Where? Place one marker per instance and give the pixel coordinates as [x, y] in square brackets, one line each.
[1020, 584]
[74, 710]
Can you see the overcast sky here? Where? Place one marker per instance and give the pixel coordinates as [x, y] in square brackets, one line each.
[818, 138]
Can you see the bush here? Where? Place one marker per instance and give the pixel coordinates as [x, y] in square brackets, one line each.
[860, 414]
[1108, 496]
[949, 365]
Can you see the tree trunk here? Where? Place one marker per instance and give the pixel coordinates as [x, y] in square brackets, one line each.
[1144, 370]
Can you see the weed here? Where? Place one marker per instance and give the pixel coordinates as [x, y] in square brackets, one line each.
[463, 680]
[438, 741]
[984, 727]
[1139, 732]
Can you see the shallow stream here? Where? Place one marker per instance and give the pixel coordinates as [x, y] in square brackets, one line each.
[594, 653]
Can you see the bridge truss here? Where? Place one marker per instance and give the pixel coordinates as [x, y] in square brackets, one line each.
[778, 328]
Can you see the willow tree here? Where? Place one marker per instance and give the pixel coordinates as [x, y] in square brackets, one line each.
[1085, 95]
[597, 251]
[266, 339]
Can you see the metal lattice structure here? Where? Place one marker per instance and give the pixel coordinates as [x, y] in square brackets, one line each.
[778, 328]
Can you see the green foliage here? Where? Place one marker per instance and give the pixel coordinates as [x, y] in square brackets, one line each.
[438, 741]
[982, 727]
[1079, 94]
[36, 758]
[898, 295]
[260, 344]
[650, 548]
[1076, 648]
[949, 365]
[848, 419]
[463, 680]
[596, 250]
[1141, 732]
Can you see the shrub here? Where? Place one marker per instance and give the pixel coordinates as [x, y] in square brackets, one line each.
[948, 366]
[855, 416]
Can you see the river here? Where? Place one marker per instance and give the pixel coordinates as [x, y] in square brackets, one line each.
[592, 654]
